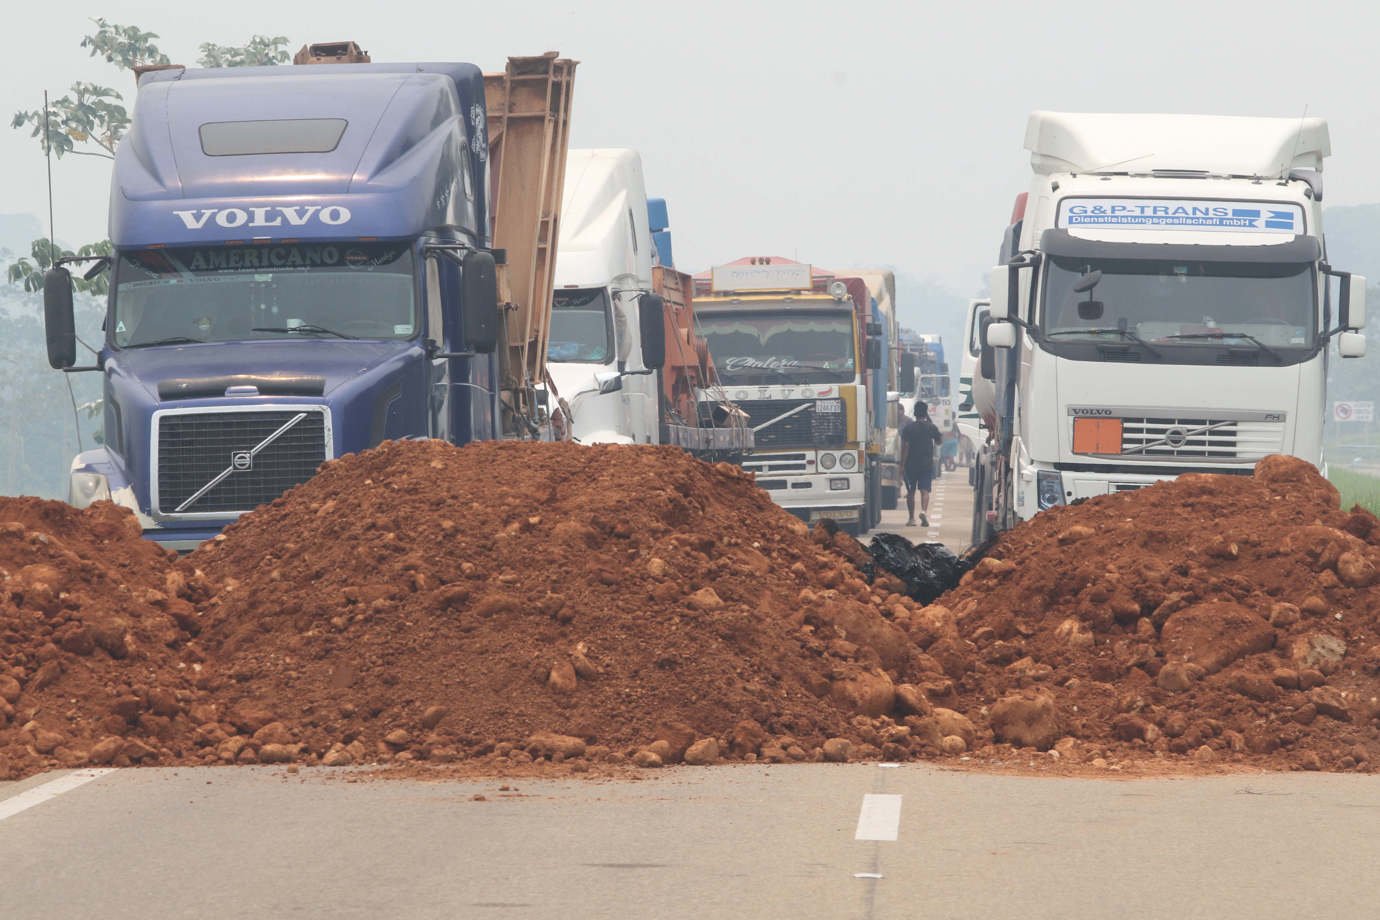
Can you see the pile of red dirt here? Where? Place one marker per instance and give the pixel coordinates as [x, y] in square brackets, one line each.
[94, 664]
[511, 603]
[1227, 619]
[519, 600]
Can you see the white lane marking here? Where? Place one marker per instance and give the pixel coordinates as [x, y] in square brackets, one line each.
[49, 790]
[879, 818]
[867, 875]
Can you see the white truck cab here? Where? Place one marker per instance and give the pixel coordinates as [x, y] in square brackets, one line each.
[1165, 305]
[603, 264]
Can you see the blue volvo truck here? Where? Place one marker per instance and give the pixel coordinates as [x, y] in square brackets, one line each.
[309, 260]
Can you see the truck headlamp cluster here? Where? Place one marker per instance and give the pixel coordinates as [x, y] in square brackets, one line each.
[1049, 488]
[85, 488]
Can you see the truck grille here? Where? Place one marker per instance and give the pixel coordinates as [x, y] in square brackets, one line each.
[1206, 438]
[807, 428]
[194, 449]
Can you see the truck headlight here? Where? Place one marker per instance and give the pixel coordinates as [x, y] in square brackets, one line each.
[827, 461]
[1049, 488]
[838, 485]
[848, 460]
[84, 488]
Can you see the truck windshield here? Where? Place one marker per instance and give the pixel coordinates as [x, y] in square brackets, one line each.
[1202, 305]
[234, 293]
[780, 346]
[580, 327]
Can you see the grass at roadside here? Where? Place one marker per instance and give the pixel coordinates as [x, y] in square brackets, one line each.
[1357, 489]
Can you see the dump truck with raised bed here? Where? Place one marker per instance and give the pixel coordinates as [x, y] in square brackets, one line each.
[310, 260]
[797, 350]
[623, 360]
[1164, 304]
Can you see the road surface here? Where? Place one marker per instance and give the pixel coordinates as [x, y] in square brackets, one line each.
[804, 841]
[951, 511]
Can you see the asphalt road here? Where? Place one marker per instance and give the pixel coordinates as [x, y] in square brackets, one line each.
[740, 842]
[951, 509]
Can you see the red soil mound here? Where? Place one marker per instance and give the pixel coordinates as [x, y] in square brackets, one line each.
[1226, 618]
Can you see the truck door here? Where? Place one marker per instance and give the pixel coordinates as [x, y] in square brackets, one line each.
[442, 287]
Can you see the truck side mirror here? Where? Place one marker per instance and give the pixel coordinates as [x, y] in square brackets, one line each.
[1003, 282]
[651, 326]
[1351, 345]
[874, 328]
[987, 356]
[479, 304]
[59, 324]
[907, 379]
[874, 354]
[1001, 334]
[1352, 311]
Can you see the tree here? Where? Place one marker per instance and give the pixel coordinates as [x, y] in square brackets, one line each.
[259, 52]
[92, 119]
[29, 272]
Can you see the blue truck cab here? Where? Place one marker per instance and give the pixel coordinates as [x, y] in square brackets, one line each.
[302, 268]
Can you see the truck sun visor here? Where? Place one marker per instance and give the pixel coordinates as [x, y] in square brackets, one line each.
[1059, 242]
[274, 385]
[279, 135]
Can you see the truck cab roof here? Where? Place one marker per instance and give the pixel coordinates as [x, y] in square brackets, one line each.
[1210, 145]
[237, 154]
[604, 233]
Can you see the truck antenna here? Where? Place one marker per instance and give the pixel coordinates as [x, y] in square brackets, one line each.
[53, 255]
[48, 156]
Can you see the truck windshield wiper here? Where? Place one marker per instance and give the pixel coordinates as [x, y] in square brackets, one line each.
[170, 340]
[1279, 359]
[303, 329]
[1109, 330]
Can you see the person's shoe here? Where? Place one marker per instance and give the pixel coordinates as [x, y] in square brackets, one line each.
[924, 521]
[910, 523]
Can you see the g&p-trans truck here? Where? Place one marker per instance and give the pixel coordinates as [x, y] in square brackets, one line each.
[796, 350]
[1164, 305]
[310, 260]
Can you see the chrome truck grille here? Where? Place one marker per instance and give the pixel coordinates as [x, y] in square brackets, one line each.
[803, 424]
[213, 462]
[1203, 438]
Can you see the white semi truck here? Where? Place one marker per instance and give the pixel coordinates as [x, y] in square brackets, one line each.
[1165, 305]
[603, 268]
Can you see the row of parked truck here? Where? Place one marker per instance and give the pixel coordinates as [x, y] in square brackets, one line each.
[309, 260]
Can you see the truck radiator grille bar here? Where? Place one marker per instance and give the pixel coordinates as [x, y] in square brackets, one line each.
[805, 428]
[1214, 439]
[230, 462]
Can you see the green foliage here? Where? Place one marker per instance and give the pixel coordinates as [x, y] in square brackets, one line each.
[28, 273]
[90, 115]
[261, 51]
[123, 46]
[1357, 489]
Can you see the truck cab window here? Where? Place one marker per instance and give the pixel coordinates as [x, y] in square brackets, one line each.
[1191, 304]
[232, 293]
[581, 326]
[777, 347]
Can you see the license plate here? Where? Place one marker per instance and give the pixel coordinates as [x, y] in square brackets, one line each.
[842, 515]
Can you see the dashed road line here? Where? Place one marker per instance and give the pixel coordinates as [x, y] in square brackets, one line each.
[49, 790]
[879, 818]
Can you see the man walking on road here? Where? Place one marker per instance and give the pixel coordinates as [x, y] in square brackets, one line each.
[918, 441]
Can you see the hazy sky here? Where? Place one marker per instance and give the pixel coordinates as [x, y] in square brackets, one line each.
[841, 133]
